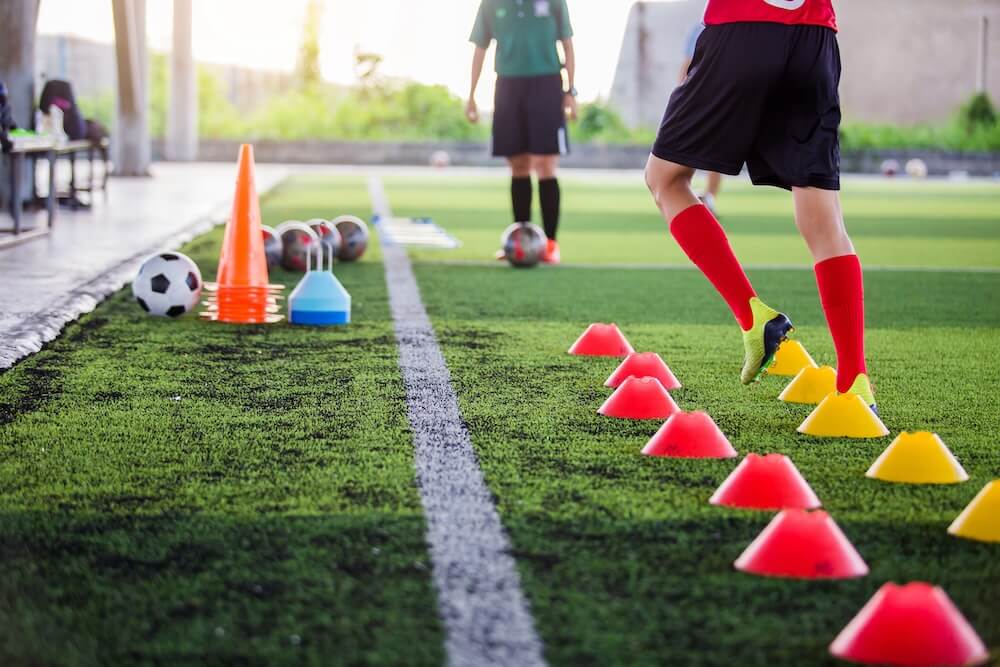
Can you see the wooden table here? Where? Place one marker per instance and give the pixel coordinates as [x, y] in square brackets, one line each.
[15, 161]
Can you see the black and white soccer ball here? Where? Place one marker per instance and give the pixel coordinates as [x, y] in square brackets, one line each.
[168, 285]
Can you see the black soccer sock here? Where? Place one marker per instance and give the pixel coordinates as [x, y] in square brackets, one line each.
[520, 197]
[548, 197]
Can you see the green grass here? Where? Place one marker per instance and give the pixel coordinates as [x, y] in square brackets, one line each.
[269, 516]
[181, 493]
[900, 224]
[623, 559]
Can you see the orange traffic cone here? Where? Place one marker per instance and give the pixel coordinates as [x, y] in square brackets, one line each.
[242, 293]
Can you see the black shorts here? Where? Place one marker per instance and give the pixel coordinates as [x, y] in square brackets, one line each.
[528, 116]
[764, 94]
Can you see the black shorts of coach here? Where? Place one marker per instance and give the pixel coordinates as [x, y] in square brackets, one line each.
[528, 116]
[763, 94]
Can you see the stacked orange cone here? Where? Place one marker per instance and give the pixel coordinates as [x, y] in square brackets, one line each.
[242, 293]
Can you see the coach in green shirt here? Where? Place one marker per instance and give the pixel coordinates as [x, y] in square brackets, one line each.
[530, 104]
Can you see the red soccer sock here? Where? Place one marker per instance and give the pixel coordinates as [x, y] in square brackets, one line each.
[842, 292]
[702, 238]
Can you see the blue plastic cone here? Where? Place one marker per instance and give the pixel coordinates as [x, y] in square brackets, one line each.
[319, 300]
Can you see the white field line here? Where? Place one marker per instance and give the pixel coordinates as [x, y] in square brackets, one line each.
[485, 613]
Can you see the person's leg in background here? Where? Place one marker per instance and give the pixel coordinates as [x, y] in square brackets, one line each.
[704, 241]
[521, 192]
[713, 185]
[549, 198]
[841, 284]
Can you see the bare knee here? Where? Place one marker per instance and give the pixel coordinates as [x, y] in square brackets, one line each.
[520, 166]
[670, 185]
[545, 166]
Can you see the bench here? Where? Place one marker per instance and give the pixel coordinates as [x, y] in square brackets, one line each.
[31, 150]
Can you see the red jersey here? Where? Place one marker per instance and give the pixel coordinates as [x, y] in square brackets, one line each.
[792, 12]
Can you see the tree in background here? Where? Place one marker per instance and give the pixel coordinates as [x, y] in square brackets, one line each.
[367, 73]
[307, 69]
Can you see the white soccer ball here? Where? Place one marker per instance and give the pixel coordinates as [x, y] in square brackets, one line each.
[168, 285]
[440, 159]
[916, 168]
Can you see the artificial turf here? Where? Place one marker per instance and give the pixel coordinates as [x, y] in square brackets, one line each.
[183, 493]
[187, 493]
[623, 559]
[610, 220]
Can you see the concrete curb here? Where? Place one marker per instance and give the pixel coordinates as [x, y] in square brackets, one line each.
[32, 333]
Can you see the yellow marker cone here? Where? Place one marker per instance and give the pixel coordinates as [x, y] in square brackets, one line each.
[790, 359]
[981, 519]
[917, 458]
[810, 386]
[843, 416]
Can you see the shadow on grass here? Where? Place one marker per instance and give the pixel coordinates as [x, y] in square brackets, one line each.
[100, 589]
[618, 592]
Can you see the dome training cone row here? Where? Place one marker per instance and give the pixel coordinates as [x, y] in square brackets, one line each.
[843, 416]
[981, 519]
[690, 435]
[639, 398]
[645, 364]
[918, 458]
[810, 386]
[790, 358]
[602, 340]
[242, 293]
[916, 625]
[770, 482]
[802, 545]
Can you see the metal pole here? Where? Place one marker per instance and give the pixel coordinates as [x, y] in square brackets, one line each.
[983, 74]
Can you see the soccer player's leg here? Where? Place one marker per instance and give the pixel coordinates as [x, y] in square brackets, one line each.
[549, 200]
[704, 241]
[841, 285]
[547, 140]
[510, 141]
[711, 123]
[799, 149]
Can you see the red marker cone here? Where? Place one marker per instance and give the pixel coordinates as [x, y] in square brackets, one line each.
[602, 340]
[802, 545]
[769, 482]
[916, 625]
[639, 398]
[645, 364]
[690, 435]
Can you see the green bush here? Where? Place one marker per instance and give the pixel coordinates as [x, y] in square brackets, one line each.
[417, 112]
[599, 123]
[974, 128]
[977, 113]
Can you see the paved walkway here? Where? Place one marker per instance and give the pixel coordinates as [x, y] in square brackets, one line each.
[49, 281]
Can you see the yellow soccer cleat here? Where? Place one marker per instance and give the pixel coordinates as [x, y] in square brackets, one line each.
[770, 329]
[863, 387]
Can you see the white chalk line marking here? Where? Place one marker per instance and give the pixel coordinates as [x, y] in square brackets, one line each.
[485, 613]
